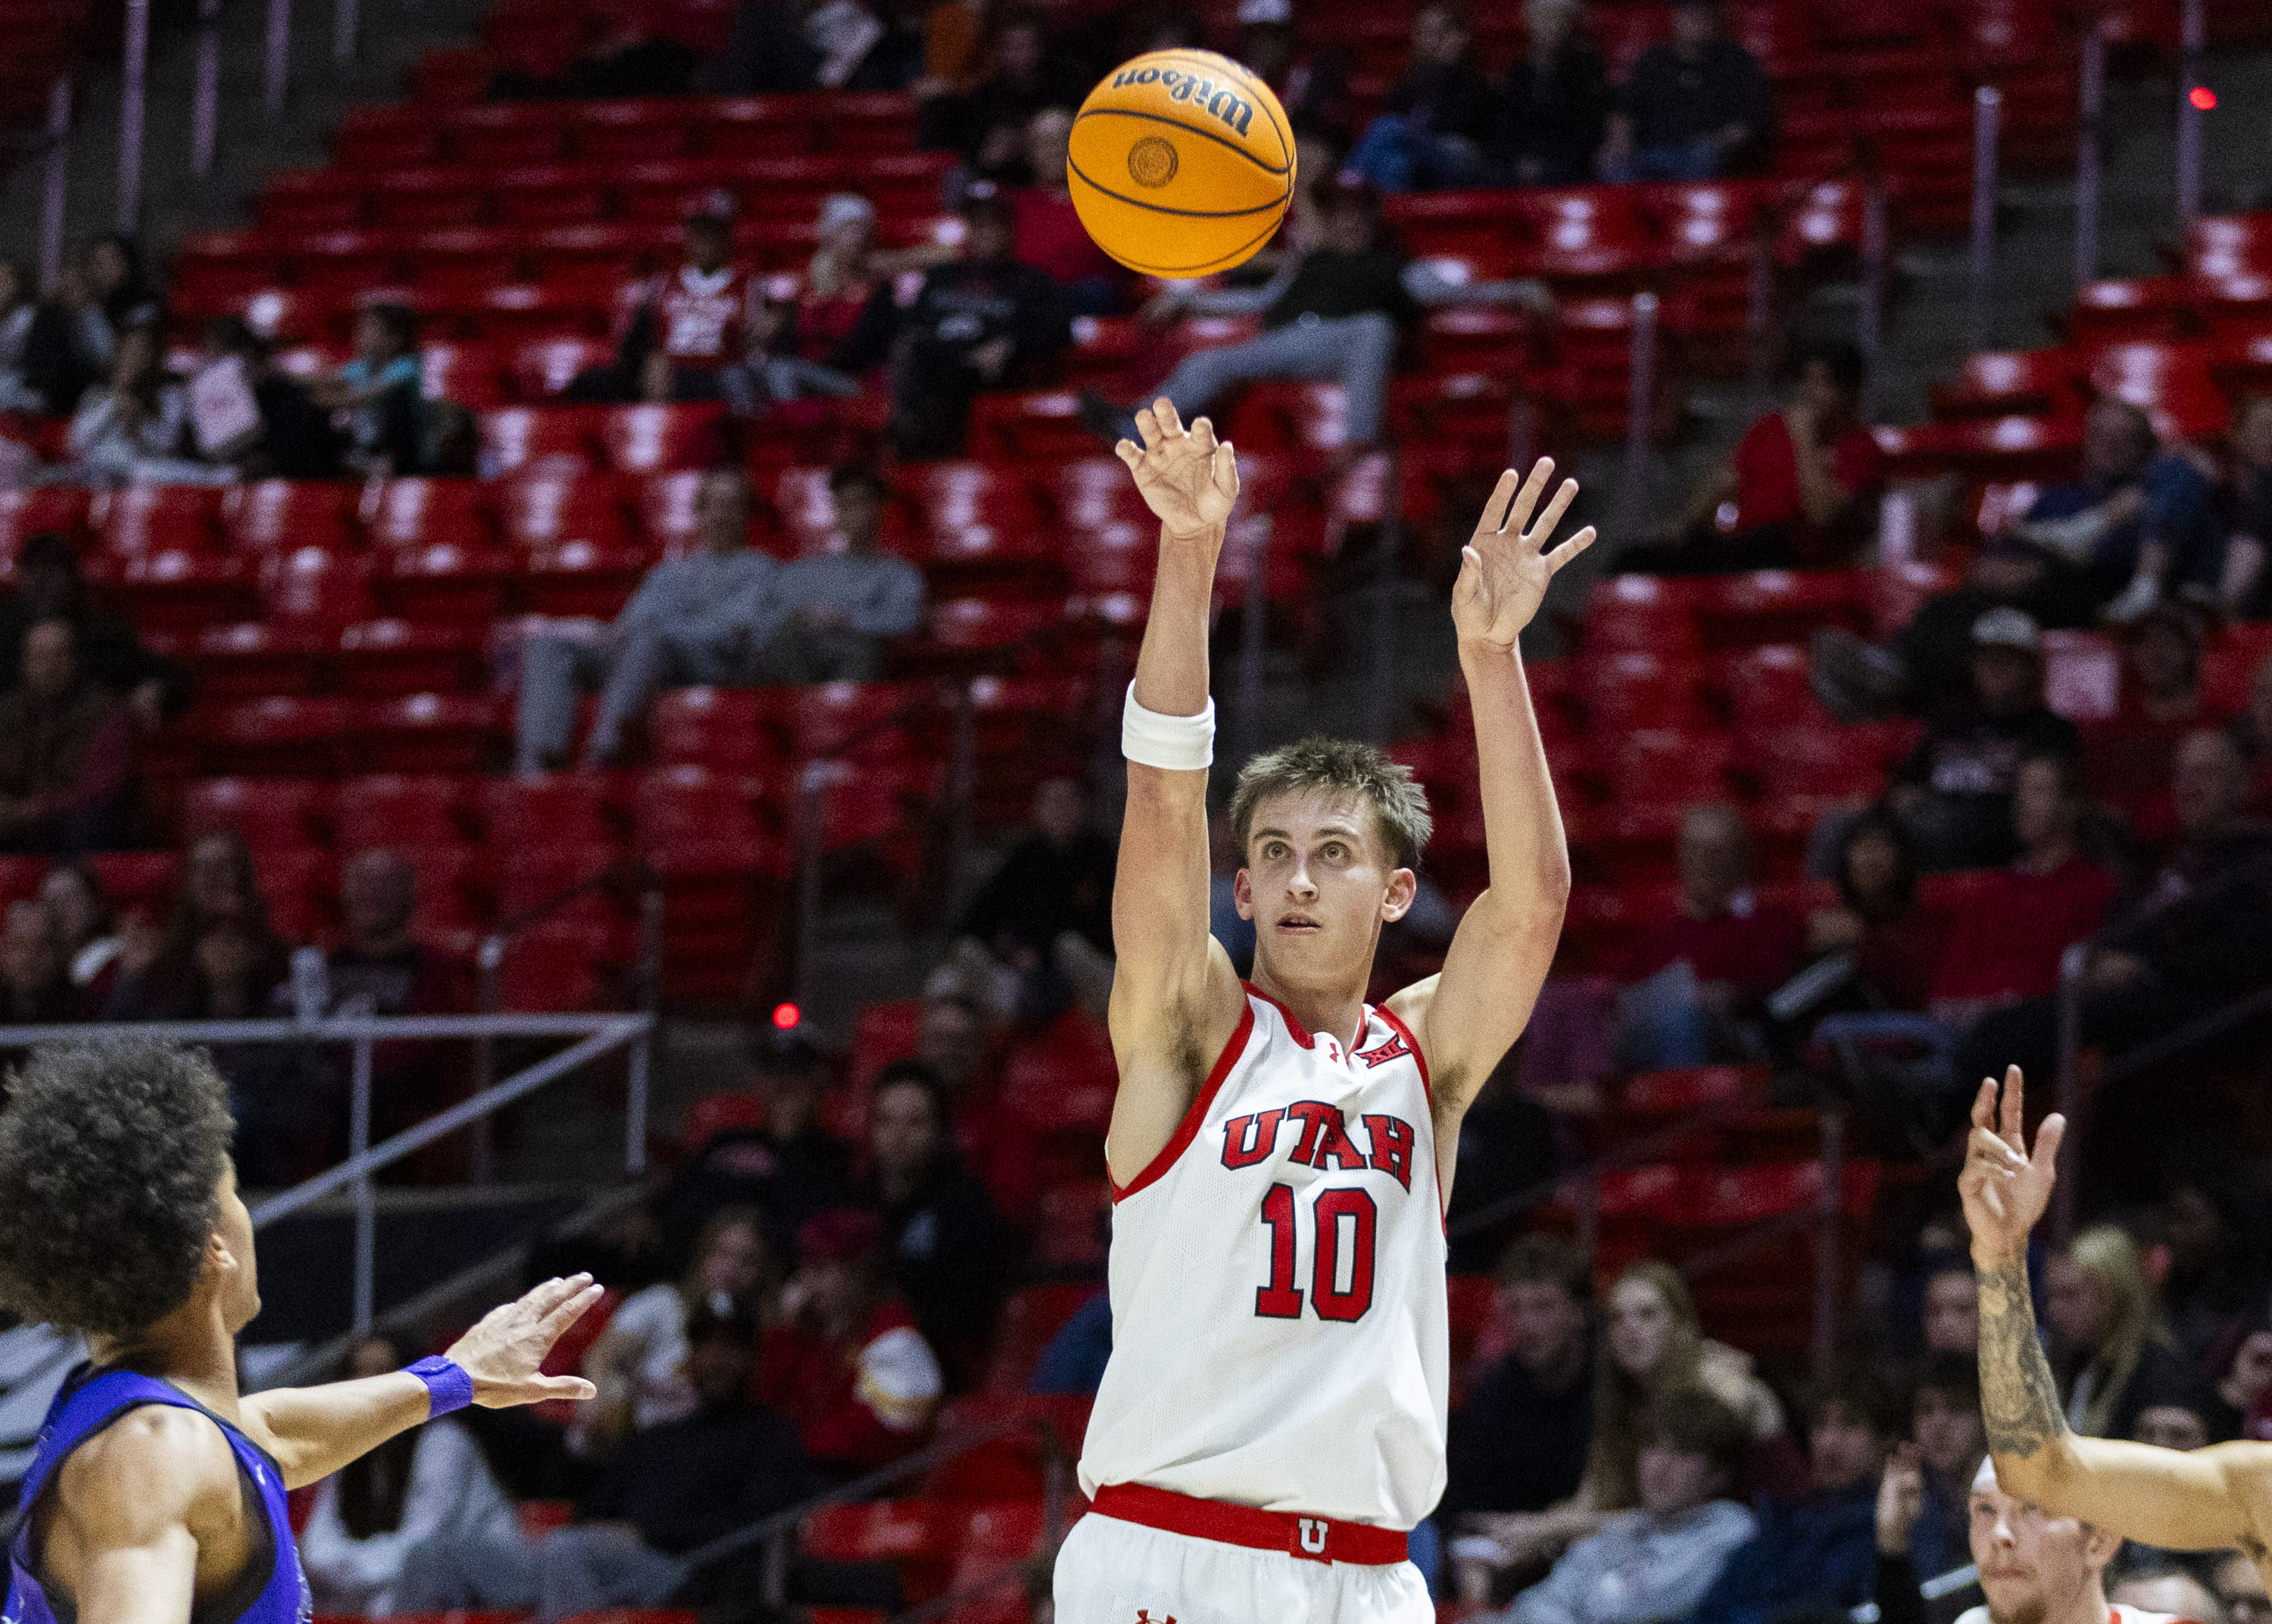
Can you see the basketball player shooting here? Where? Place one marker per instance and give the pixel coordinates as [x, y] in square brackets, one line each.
[156, 1492]
[2198, 1499]
[1272, 1421]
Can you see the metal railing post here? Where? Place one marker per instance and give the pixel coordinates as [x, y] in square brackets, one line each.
[1253, 626]
[1987, 115]
[133, 91]
[366, 1198]
[1869, 321]
[774, 1587]
[1758, 314]
[488, 963]
[58, 186]
[812, 785]
[2087, 152]
[1389, 537]
[1827, 1263]
[345, 16]
[961, 795]
[2067, 1091]
[1589, 1213]
[205, 100]
[1640, 377]
[2192, 33]
[640, 1064]
[277, 67]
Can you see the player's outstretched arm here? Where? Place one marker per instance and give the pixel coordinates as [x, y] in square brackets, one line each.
[1176, 999]
[2186, 1502]
[314, 1431]
[1467, 1017]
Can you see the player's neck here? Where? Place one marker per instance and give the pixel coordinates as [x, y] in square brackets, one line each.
[1334, 1012]
[190, 1348]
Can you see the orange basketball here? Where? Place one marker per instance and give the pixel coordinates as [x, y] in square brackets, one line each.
[1181, 163]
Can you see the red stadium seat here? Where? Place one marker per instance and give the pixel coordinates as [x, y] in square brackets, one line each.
[554, 506]
[139, 883]
[414, 511]
[2139, 310]
[1769, 686]
[384, 658]
[632, 131]
[146, 519]
[917, 1537]
[251, 657]
[694, 823]
[429, 733]
[60, 508]
[277, 737]
[655, 439]
[728, 730]
[391, 809]
[317, 588]
[444, 584]
[1632, 688]
[172, 589]
[528, 438]
[708, 1115]
[270, 514]
[566, 880]
[557, 966]
[2000, 383]
[1031, 1318]
[1641, 612]
[542, 368]
[287, 812]
[864, 719]
[1667, 767]
[524, 813]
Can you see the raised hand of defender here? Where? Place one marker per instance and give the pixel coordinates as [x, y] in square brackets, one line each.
[506, 1347]
[1505, 565]
[1188, 480]
[2004, 1189]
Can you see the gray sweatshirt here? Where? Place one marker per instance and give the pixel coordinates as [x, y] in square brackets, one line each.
[1638, 1569]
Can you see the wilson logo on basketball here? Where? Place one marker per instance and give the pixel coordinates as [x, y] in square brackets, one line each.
[1227, 105]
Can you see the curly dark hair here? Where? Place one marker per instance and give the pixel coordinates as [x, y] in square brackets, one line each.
[111, 1158]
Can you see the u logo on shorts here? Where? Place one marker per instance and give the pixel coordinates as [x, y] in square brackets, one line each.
[1313, 1536]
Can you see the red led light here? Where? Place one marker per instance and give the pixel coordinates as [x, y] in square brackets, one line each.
[2203, 97]
[786, 1015]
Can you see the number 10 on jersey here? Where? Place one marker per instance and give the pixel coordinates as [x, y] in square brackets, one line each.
[1343, 1219]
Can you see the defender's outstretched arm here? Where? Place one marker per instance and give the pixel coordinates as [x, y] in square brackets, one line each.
[1176, 999]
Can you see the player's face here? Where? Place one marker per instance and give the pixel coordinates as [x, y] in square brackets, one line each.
[2032, 1565]
[1318, 884]
[240, 1288]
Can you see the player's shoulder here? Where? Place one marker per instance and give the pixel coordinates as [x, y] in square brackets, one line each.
[155, 1465]
[1409, 1006]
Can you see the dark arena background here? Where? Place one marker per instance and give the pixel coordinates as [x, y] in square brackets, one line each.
[565, 603]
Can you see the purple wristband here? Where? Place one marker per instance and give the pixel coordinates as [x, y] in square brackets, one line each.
[448, 1386]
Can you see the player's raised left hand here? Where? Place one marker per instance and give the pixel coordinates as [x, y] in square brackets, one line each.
[504, 1350]
[2004, 1189]
[1505, 565]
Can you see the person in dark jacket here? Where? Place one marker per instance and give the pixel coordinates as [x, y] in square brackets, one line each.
[1554, 103]
[294, 438]
[1434, 129]
[941, 1239]
[1519, 1442]
[1820, 1550]
[66, 753]
[1055, 883]
[1694, 108]
[50, 584]
[978, 322]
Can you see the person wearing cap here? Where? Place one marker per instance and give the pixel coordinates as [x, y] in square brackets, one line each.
[804, 320]
[978, 322]
[1335, 311]
[687, 334]
[1695, 108]
[1954, 791]
[1308, 80]
[1433, 129]
[2035, 1567]
[846, 1362]
[1554, 102]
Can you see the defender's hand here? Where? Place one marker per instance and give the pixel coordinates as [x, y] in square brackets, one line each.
[1505, 567]
[1188, 480]
[1900, 1500]
[2005, 1189]
[504, 1350]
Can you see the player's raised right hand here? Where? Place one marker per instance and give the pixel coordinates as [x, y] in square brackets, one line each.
[2004, 1189]
[504, 1351]
[1189, 481]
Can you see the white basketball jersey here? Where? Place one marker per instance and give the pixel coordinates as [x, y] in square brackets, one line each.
[1279, 1331]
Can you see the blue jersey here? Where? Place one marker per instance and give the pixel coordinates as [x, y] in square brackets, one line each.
[270, 1591]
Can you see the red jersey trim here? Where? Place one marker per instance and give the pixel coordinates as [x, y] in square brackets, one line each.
[1302, 1034]
[1428, 1089]
[1188, 1129]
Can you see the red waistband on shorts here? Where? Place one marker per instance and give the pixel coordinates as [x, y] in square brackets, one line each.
[1310, 1538]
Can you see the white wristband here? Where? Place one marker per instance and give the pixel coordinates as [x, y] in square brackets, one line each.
[1172, 743]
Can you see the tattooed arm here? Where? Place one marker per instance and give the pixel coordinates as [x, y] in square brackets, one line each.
[2206, 1500]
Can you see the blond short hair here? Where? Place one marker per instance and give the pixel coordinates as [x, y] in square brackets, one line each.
[1400, 805]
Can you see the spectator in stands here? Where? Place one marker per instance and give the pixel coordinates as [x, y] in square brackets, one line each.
[1656, 1346]
[1896, 940]
[2198, 935]
[84, 935]
[709, 617]
[1690, 979]
[1307, 78]
[796, 330]
[979, 322]
[1025, 72]
[432, 1483]
[2241, 1587]
[1519, 1442]
[692, 333]
[846, 1362]
[119, 281]
[1800, 491]
[1074, 1361]
[2127, 758]
[791, 1169]
[1819, 1549]
[137, 429]
[2163, 1587]
[954, 48]
[2111, 1350]
[1039, 932]
[69, 346]
[218, 959]
[1955, 791]
[777, 46]
[626, 62]
[33, 989]
[1658, 1560]
[50, 584]
[1554, 103]
[639, 1363]
[1949, 1441]
[2217, 1276]
[66, 753]
[1047, 234]
[1949, 1310]
[838, 606]
[2245, 592]
[1694, 109]
[20, 391]
[940, 1233]
[288, 436]
[382, 392]
[381, 966]
[1334, 311]
[1434, 129]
